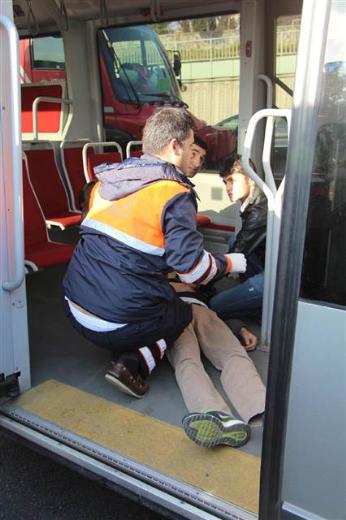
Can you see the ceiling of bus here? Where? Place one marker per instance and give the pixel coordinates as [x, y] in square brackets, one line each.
[44, 16]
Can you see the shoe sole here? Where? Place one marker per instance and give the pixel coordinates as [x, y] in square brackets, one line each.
[120, 386]
[208, 431]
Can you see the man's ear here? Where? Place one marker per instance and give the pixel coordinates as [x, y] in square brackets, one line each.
[175, 146]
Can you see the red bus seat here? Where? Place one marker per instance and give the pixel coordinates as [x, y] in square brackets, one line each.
[136, 153]
[38, 249]
[203, 220]
[134, 149]
[72, 162]
[50, 189]
[51, 116]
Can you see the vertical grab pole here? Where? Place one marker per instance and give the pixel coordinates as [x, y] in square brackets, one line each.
[274, 215]
[274, 198]
[14, 109]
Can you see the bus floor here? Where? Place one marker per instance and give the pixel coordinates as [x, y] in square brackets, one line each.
[71, 401]
[58, 352]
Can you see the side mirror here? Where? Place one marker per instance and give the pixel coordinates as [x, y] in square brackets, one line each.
[177, 63]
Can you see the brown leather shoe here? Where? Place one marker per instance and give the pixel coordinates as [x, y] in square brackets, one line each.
[131, 384]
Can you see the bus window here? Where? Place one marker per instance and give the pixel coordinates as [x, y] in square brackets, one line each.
[41, 59]
[323, 275]
[286, 48]
[48, 53]
[140, 70]
[137, 75]
[209, 51]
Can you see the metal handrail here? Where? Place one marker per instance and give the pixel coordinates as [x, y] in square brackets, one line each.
[129, 146]
[14, 109]
[269, 84]
[274, 197]
[92, 145]
[35, 110]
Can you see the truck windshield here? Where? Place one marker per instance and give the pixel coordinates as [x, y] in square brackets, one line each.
[138, 66]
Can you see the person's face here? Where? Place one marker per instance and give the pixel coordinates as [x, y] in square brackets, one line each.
[183, 153]
[197, 160]
[237, 186]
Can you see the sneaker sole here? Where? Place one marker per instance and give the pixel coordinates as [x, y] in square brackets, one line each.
[208, 431]
[120, 386]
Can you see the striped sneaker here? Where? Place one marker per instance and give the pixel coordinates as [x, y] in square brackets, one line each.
[213, 428]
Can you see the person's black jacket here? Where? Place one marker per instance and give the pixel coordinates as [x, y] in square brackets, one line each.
[251, 238]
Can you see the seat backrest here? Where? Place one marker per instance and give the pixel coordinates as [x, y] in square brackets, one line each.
[47, 183]
[136, 153]
[72, 161]
[51, 116]
[35, 231]
[134, 149]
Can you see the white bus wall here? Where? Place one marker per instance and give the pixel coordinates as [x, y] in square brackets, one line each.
[83, 82]
[14, 349]
[314, 478]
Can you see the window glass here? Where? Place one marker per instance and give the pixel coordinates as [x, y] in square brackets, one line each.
[138, 65]
[286, 48]
[324, 274]
[48, 53]
[183, 63]
[209, 51]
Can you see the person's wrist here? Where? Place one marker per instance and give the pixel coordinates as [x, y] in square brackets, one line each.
[228, 264]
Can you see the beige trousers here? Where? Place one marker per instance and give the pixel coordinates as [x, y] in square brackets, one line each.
[239, 377]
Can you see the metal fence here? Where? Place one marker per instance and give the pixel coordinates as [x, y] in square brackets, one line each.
[194, 48]
[227, 48]
[212, 101]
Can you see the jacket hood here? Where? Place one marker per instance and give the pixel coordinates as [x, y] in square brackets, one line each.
[121, 179]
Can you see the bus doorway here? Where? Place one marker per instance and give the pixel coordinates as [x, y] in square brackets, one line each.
[70, 410]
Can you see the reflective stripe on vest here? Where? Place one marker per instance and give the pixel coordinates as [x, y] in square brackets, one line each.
[135, 220]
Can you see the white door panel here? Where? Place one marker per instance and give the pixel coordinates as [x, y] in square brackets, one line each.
[14, 356]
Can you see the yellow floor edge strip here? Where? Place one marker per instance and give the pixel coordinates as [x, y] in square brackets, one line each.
[226, 473]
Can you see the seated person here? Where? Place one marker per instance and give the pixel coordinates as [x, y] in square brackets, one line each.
[245, 299]
[210, 421]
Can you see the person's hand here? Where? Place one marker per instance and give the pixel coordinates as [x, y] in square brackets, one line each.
[249, 339]
[238, 262]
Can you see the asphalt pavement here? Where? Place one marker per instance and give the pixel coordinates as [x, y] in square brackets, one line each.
[34, 487]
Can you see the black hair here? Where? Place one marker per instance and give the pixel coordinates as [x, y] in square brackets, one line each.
[227, 164]
[233, 162]
[199, 142]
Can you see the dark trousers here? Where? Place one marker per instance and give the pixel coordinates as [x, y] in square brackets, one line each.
[143, 343]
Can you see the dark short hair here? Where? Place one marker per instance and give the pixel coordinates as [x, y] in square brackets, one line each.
[199, 142]
[232, 164]
[163, 126]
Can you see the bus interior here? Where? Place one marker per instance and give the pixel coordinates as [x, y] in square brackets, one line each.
[73, 119]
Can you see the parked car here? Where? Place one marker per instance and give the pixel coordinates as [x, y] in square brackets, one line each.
[280, 129]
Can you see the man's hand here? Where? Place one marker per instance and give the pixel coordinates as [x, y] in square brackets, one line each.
[249, 339]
